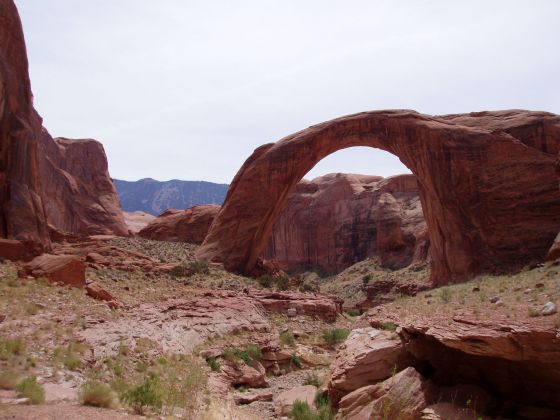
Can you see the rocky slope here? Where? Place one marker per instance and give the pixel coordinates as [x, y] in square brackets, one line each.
[487, 183]
[334, 221]
[61, 185]
[155, 197]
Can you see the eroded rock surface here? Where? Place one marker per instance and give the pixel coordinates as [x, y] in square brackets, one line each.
[64, 269]
[137, 220]
[336, 220]
[190, 225]
[366, 357]
[470, 169]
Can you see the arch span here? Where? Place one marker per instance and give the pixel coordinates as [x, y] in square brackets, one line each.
[487, 184]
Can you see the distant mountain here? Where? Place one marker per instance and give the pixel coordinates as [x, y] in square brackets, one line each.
[154, 197]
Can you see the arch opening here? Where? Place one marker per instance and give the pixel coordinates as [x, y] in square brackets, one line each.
[340, 218]
[480, 217]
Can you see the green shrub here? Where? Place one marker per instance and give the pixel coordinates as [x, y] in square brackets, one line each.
[146, 394]
[11, 347]
[296, 361]
[30, 388]
[445, 294]
[214, 364]
[199, 267]
[266, 281]
[142, 366]
[366, 279]
[388, 326]
[335, 336]
[248, 354]
[283, 282]
[353, 312]
[302, 411]
[287, 338]
[311, 379]
[97, 394]
[8, 379]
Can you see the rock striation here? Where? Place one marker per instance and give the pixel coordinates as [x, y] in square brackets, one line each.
[336, 220]
[190, 225]
[46, 184]
[487, 184]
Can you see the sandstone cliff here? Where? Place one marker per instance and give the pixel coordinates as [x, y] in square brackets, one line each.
[336, 220]
[61, 183]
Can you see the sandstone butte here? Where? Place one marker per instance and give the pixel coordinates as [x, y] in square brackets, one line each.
[190, 225]
[487, 183]
[47, 186]
[328, 223]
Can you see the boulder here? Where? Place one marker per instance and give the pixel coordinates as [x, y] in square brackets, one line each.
[470, 168]
[251, 398]
[237, 374]
[12, 250]
[64, 269]
[402, 396]
[190, 225]
[96, 291]
[285, 400]
[361, 217]
[366, 357]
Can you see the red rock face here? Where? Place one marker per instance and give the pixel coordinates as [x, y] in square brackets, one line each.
[337, 220]
[190, 225]
[487, 186]
[62, 182]
[22, 214]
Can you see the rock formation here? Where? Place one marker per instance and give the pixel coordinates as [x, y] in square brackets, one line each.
[62, 183]
[190, 225]
[137, 220]
[336, 220]
[487, 185]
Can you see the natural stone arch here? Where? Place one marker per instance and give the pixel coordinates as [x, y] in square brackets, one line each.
[487, 181]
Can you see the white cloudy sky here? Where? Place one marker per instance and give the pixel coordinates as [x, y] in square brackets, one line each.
[187, 89]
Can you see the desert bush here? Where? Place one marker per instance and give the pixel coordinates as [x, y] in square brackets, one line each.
[199, 267]
[366, 279]
[388, 326]
[97, 394]
[8, 379]
[311, 379]
[287, 338]
[148, 393]
[179, 270]
[11, 347]
[445, 294]
[249, 353]
[335, 335]
[214, 364]
[353, 312]
[30, 388]
[282, 282]
[302, 411]
[296, 361]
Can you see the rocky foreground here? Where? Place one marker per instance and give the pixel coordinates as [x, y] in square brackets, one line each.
[135, 309]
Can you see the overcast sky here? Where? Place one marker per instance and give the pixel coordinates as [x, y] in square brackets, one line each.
[187, 89]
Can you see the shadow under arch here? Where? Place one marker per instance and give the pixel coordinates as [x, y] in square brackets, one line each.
[487, 184]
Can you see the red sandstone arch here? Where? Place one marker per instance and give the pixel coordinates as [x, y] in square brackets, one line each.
[487, 181]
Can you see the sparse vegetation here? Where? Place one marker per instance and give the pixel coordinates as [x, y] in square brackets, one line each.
[445, 294]
[214, 364]
[302, 411]
[296, 361]
[366, 279]
[30, 388]
[8, 379]
[247, 354]
[312, 379]
[388, 326]
[281, 282]
[97, 394]
[287, 339]
[146, 394]
[335, 335]
[11, 347]
[353, 312]
[199, 267]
